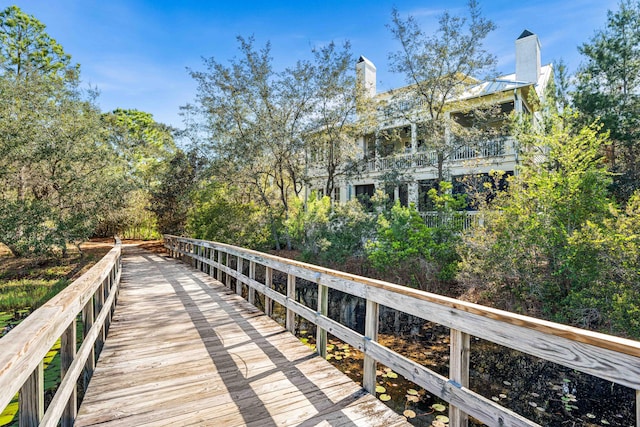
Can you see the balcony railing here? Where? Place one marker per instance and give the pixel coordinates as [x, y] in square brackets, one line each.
[462, 220]
[422, 159]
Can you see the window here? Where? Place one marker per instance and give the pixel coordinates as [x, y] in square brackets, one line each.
[403, 194]
[336, 194]
[364, 193]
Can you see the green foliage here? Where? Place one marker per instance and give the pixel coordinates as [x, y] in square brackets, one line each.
[219, 215]
[404, 242]
[144, 144]
[606, 292]
[25, 47]
[171, 200]
[329, 234]
[555, 240]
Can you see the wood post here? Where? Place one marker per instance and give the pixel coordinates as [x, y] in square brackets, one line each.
[268, 282]
[459, 372]
[67, 354]
[87, 322]
[227, 280]
[290, 322]
[323, 309]
[99, 304]
[219, 271]
[371, 334]
[31, 399]
[252, 276]
[239, 265]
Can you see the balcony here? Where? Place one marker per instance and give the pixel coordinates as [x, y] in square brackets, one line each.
[423, 159]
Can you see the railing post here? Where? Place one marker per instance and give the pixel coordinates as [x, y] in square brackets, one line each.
[31, 399]
[268, 282]
[227, 280]
[371, 334]
[252, 276]
[239, 265]
[219, 271]
[67, 354]
[459, 372]
[290, 321]
[87, 322]
[323, 306]
[99, 304]
[211, 257]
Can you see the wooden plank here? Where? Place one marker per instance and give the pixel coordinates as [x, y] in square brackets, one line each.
[371, 334]
[211, 359]
[291, 296]
[31, 399]
[252, 275]
[67, 355]
[268, 283]
[239, 271]
[323, 310]
[460, 348]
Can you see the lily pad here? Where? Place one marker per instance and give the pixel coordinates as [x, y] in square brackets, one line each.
[392, 374]
[409, 413]
[385, 397]
[412, 392]
[436, 423]
[438, 407]
[380, 389]
[414, 399]
[442, 418]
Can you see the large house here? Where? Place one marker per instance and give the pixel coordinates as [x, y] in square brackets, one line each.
[398, 144]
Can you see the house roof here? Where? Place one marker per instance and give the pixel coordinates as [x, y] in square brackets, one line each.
[508, 82]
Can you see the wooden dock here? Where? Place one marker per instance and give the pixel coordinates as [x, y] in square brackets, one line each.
[184, 350]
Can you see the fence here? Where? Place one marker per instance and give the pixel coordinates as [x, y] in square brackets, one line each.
[93, 297]
[611, 358]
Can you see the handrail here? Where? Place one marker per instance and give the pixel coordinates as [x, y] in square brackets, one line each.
[22, 350]
[611, 358]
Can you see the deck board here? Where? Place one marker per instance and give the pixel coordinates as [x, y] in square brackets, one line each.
[184, 350]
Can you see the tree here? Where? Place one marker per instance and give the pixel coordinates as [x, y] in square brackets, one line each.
[608, 89]
[144, 148]
[340, 115]
[255, 118]
[171, 200]
[57, 172]
[548, 242]
[438, 69]
[27, 49]
[144, 144]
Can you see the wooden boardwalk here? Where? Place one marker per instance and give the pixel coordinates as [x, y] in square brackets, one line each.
[184, 350]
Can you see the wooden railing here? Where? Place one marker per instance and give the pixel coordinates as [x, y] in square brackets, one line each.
[608, 357]
[93, 296]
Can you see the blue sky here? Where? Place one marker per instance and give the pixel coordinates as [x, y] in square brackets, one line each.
[136, 52]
